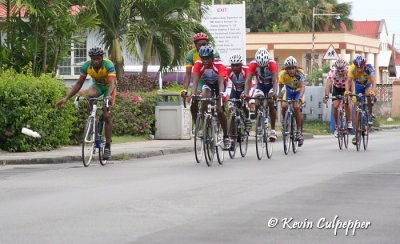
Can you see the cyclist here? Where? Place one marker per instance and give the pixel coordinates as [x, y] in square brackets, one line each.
[212, 72]
[293, 79]
[199, 40]
[361, 79]
[266, 72]
[337, 78]
[237, 73]
[103, 74]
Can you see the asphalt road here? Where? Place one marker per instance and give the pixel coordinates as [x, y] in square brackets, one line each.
[319, 195]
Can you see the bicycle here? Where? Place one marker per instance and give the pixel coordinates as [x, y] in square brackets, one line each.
[289, 128]
[93, 132]
[341, 124]
[238, 128]
[213, 138]
[362, 126]
[263, 129]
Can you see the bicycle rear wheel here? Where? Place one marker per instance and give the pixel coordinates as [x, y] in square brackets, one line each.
[198, 138]
[260, 134]
[286, 133]
[233, 128]
[209, 148]
[88, 142]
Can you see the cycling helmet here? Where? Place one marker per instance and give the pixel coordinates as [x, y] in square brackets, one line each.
[359, 61]
[96, 51]
[200, 36]
[236, 59]
[340, 63]
[206, 51]
[262, 57]
[290, 62]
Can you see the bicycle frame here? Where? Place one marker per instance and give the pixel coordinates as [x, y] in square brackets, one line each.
[237, 128]
[92, 138]
[289, 128]
[362, 126]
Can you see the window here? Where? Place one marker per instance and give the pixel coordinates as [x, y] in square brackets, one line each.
[72, 64]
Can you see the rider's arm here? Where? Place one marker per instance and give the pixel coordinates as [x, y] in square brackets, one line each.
[302, 89]
[273, 67]
[348, 85]
[328, 87]
[373, 81]
[188, 76]
[196, 79]
[76, 88]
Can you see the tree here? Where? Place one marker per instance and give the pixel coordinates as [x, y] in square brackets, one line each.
[39, 33]
[294, 15]
[164, 29]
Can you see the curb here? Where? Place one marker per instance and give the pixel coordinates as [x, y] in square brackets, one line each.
[120, 156]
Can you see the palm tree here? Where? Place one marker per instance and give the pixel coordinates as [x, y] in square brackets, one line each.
[163, 29]
[113, 27]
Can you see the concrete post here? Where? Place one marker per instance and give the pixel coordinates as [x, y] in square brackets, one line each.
[396, 99]
[376, 67]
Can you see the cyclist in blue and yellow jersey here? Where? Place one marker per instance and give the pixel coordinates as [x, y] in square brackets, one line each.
[199, 40]
[293, 79]
[103, 74]
[361, 79]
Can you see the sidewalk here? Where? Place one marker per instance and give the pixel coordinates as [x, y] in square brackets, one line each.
[121, 151]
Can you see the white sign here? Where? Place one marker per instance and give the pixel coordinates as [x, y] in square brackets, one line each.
[227, 24]
[331, 53]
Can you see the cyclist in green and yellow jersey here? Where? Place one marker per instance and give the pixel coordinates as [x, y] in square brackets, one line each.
[103, 74]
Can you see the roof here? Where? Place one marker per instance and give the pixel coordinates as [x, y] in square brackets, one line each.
[396, 55]
[367, 28]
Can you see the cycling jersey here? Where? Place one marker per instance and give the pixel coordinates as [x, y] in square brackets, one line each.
[363, 77]
[294, 82]
[339, 79]
[238, 81]
[263, 74]
[101, 76]
[210, 75]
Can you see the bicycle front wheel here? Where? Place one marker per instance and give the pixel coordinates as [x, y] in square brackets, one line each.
[88, 142]
[269, 145]
[286, 133]
[219, 142]
[359, 132]
[340, 129]
[260, 134]
[234, 136]
[365, 132]
[198, 138]
[295, 142]
[243, 138]
[209, 148]
[102, 143]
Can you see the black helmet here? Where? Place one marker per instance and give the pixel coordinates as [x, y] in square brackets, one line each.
[96, 51]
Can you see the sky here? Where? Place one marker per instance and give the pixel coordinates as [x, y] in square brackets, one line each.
[389, 10]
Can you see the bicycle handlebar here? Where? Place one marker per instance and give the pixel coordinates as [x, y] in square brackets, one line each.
[105, 99]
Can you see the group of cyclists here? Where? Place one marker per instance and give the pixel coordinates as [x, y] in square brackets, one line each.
[210, 76]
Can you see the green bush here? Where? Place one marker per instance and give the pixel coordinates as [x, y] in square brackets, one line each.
[28, 101]
[134, 113]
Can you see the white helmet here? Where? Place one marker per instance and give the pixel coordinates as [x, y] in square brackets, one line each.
[290, 62]
[262, 57]
[236, 59]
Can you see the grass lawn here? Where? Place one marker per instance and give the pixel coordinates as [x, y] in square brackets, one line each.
[123, 139]
[396, 121]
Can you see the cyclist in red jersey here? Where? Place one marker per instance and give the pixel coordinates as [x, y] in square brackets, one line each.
[266, 72]
[212, 72]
